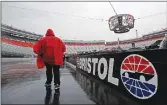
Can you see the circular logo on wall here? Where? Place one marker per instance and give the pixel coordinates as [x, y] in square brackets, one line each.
[139, 76]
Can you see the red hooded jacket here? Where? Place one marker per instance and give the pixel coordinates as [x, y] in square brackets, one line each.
[50, 49]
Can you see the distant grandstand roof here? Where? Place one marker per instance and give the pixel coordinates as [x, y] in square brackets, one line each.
[19, 33]
[82, 41]
[161, 32]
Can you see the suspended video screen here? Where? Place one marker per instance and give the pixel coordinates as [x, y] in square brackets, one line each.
[121, 23]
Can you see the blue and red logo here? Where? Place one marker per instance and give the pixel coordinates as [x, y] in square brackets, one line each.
[139, 76]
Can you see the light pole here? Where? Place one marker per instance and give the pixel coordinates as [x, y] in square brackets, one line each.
[136, 34]
[118, 43]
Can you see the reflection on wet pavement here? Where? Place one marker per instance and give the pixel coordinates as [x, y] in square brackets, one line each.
[48, 97]
[23, 83]
[100, 93]
[17, 72]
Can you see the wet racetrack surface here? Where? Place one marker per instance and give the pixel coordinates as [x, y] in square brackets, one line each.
[23, 83]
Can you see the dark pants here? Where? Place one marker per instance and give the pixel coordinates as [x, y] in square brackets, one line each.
[49, 75]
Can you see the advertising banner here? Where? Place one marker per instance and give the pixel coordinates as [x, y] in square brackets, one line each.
[139, 75]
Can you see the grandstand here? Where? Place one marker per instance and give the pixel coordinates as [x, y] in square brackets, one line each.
[16, 42]
[142, 42]
[19, 43]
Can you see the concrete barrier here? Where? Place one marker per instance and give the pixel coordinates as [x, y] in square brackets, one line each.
[70, 65]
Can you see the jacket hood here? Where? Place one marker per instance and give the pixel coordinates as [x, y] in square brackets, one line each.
[50, 32]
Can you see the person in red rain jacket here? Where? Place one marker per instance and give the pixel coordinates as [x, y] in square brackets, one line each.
[50, 50]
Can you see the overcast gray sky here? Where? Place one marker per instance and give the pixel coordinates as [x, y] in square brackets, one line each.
[69, 27]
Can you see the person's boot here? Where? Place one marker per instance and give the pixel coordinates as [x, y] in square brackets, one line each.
[57, 86]
[47, 84]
